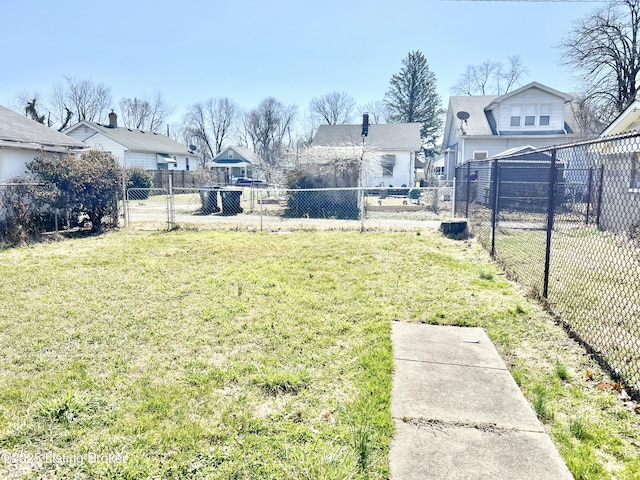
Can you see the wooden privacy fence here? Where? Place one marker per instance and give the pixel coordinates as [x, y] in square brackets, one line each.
[179, 179]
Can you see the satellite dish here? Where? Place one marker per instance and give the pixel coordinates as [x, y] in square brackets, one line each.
[193, 148]
[462, 115]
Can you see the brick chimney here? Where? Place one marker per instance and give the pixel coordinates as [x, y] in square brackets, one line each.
[113, 120]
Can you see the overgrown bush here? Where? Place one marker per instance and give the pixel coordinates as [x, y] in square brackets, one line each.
[324, 203]
[86, 186]
[138, 177]
[22, 216]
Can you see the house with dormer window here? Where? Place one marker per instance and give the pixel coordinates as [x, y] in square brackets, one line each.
[482, 126]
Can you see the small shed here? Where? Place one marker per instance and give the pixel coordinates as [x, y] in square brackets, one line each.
[523, 179]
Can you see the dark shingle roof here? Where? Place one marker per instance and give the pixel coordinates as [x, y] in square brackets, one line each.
[18, 130]
[391, 136]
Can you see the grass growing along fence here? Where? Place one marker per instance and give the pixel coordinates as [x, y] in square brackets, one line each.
[248, 355]
[592, 274]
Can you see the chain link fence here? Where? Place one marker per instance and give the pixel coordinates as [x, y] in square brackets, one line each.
[279, 209]
[28, 212]
[25, 214]
[565, 221]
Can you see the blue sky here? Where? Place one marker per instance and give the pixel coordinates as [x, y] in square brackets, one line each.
[293, 50]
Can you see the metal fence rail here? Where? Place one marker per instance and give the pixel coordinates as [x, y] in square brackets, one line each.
[275, 209]
[565, 221]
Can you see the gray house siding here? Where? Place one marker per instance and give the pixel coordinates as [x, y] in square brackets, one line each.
[620, 207]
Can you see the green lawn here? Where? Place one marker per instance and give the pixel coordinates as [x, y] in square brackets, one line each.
[249, 355]
[594, 285]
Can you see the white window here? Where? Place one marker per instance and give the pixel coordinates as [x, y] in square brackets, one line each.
[516, 114]
[230, 155]
[480, 155]
[545, 114]
[529, 115]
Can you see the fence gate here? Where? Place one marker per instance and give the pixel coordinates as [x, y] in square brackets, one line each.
[149, 207]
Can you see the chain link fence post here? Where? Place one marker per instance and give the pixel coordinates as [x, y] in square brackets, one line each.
[600, 188]
[495, 172]
[361, 199]
[589, 189]
[550, 216]
[453, 198]
[171, 210]
[468, 179]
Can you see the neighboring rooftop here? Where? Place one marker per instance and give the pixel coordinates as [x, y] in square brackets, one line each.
[138, 140]
[390, 136]
[16, 130]
[243, 152]
[474, 105]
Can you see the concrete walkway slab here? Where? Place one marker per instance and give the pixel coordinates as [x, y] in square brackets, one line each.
[458, 412]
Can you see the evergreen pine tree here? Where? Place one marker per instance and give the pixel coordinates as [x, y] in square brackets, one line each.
[412, 97]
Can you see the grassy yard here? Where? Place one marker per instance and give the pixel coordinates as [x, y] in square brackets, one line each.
[248, 355]
[594, 284]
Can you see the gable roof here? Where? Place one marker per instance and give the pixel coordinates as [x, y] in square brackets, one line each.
[389, 136]
[18, 131]
[242, 152]
[137, 140]
[481, 120]
[500, 98]
[628, 120]
[474, 105]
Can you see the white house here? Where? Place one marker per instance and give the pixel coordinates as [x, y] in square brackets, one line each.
[135, 148]
[482, 126]
[388, 151]
[620, 161]
[22, 140]
[234, 162]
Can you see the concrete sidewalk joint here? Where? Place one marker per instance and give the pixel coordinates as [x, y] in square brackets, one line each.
[458, 412]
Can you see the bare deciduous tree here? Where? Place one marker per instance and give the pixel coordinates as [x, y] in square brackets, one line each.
[586, 122]
[604, 48]
[377, 111]
[87, 101]
[308, 127]
[71, 100]
[145, 114]
[211, 124]
[335, 108]
[347, 165]
[511, 74]
[267, 127]
[490, 78]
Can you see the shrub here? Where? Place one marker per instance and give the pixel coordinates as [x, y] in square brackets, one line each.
[22, 216]
[138, 177]
[86, 186]
[327, 203]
